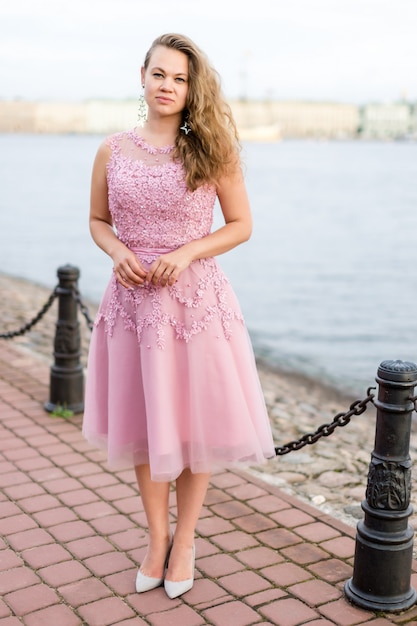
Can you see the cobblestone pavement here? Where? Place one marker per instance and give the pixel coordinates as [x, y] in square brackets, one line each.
[72, 535]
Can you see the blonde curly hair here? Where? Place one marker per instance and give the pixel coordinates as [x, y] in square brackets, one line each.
[211, 149]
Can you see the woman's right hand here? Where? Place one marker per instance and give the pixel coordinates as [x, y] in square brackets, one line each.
[128, 270]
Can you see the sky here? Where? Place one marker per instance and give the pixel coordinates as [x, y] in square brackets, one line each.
[354, 51]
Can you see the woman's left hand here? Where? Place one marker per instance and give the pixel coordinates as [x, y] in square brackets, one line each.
[166, 269]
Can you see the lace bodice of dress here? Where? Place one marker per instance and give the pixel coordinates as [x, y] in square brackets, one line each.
[149, 202]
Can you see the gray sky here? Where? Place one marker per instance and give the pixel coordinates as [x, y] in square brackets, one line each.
[343, 50]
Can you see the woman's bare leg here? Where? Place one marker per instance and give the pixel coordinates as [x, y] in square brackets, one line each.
[191, 491]
[155, 498]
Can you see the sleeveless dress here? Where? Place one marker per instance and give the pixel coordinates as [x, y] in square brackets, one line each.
[171, 376]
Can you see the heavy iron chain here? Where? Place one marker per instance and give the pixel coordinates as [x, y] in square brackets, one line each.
[341, 419]
[29, 325]
[35, 320]
[83, 308]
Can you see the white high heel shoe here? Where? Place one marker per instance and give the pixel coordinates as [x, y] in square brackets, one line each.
[177, 588]
[146, 583]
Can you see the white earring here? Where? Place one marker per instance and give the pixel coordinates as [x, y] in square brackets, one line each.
[143, 109]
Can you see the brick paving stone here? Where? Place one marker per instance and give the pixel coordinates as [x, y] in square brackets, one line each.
[47, 474]
[317, 532]
[122, 583]
[235, 540]
[332, 570]
[7, 509]
[95, 481]
[38, 557]
[265, 597]
[17, 578]
[181, 614]
[258, 558]
[78, 497]
[278, 538]
[31, 599]
[236, 613]
[9, 560]
[117, 492]
[127, 505]
[315, 592]
[136, 621]
[4, 610]
[105, 612]
[62, 484]
[82, 469]
[89, 546]
[109, 563]
[288, 612]
[94, 510]
[254, 523]
[63, 573]
[69, 531]
[28, 465]
[343, 613]
[12, 478]
[231, 509]
[129, 539]
[39, 503]
[246, 491]
[285, 574]
[226, 480]
[112, 524]
[213, 526]
[304, 553]
[154, 601]
[341, 547]
[6, 467]
[290, 518]
[53, 616]
[19, 492]
[30, 539]
[55, 517]
[219, 565]
[12, 621]
[216, 496]
[205, 591]
[44, 442]
[16, 523]
[244, 583]
[84, 591]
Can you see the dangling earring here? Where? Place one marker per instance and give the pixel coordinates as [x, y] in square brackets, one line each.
[186, 128]
[143, 109]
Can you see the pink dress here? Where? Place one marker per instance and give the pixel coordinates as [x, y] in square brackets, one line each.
[171, 377]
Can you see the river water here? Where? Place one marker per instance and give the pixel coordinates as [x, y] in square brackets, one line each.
[327, 282]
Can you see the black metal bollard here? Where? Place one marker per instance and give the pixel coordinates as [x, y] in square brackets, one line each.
[67, 378]
[384, 540]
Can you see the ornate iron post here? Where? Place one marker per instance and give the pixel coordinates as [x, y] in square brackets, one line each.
[384, 540]
[67, 378]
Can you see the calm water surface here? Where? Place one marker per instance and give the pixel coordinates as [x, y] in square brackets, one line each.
[328, 281]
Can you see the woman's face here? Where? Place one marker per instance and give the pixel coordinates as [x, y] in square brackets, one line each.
[166, 81]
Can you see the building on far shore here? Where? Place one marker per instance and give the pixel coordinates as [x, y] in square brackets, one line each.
[387, 121]
[266, 120]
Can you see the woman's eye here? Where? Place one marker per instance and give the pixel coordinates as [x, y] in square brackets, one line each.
[157, 74]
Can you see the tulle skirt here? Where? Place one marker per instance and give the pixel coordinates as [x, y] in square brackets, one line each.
[171, 377]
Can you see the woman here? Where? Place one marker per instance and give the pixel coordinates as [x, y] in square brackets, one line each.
[172, 386]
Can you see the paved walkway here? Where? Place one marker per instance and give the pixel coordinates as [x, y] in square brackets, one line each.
[72, 535]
